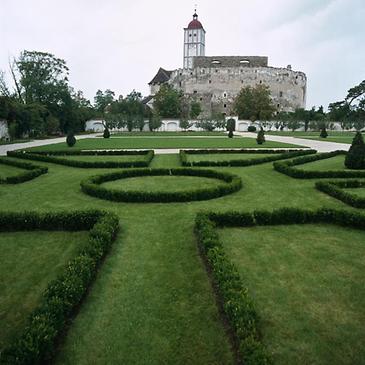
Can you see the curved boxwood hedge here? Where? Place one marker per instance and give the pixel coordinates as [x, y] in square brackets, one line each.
[32, 171]
[288, 167]
[232, 292]
[335, 189]
[92, 186]
[38, 340]
[54, 157]
[280, 155]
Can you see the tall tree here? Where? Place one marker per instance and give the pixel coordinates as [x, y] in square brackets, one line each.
[254, 103]
[103, 99]
[167, 102]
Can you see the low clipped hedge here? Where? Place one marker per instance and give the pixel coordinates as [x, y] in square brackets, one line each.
[280, 155]
[56, 157]
[231, 290]
[32, 171]
[289, 167]
[37, 342]
[91, 186]
[335, 189]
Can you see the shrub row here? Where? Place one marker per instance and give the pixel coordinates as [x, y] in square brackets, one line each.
[279, 155]
[288, 167]
[32, 171]
[92, 186]
[236, 304]
[233, 294]
[335, 189]
[46, 323]
[52, 157]
[90, 152]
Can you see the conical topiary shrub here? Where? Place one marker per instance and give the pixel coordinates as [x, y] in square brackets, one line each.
[260, 136]
[70, 139]
[324, 133]
[355, 158]
[106, 133]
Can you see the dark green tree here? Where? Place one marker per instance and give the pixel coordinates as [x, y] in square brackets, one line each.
[167, 102]
[231, 127]
[103, 99]
[324, 133]
[254, 103]
[260, 136]
[355, 157]
[106, 133]
[70, 139]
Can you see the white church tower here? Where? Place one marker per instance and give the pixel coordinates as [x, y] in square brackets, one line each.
[194, 41]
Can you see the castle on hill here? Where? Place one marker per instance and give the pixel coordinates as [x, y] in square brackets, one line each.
[215, 81]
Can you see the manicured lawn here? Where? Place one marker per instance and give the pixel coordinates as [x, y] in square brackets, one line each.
[28, 262]
[333, 163]
[225, 156]
[162, 142]
[6, 170]
[152, 302]
[122, 158]
[358, 192]
[333, 136]
[162, 183]
[307, 283]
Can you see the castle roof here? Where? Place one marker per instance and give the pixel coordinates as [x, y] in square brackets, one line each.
[161, 77]
[195, 23]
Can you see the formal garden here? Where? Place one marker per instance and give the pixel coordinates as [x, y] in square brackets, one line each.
[223, 256]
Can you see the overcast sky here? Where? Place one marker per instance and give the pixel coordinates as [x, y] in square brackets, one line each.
[120, 44]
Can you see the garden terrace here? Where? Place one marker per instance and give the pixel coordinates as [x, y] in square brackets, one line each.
[231, 183]
[36, 342]
[318, 166]
[257, 284]
[347, 191]
[12, 171]
[237, 157]
[89, 159]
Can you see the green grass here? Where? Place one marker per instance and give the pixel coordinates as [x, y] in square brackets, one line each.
[333, 163]
[162, 183]
[307, 283]
[28, 262]
[356, 191]
[225, 156]
[122, 158]
[7, 170]
[152, 302]
[162, 142]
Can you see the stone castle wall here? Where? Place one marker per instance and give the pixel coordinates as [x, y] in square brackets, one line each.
[216, 81]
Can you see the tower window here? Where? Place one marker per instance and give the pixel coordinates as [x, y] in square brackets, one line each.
[210, 81]
[201, 99]
[195, 91]
[225, 95]
[281, 94]
[278, 105]
[225, 105]
[194, 34]
[260, 81]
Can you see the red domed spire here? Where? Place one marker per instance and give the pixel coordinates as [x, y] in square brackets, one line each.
[195, 23]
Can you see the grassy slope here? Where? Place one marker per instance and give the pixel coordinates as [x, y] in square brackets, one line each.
[163, 142]
[225, 156]
[162, 183]
[333, 136]
[28, 262]
[7, 170]
[333, 163]
[152, 302]
[309, 291]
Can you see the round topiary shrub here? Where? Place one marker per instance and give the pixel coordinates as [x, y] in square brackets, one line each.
[324, 133]
[70, 139]
[355, 157]
[260, 136]
[230, 134]
[251, 128]
[106, 133]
